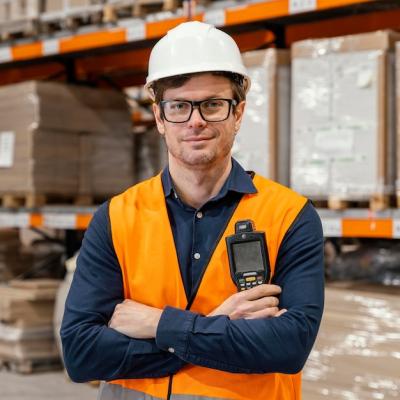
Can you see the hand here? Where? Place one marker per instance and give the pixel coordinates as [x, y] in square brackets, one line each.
[135, 320]
[257, 302]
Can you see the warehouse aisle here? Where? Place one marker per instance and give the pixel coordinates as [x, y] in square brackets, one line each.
[43, 386]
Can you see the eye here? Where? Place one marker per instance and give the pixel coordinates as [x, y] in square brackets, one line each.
[178, 106]
[213, 104]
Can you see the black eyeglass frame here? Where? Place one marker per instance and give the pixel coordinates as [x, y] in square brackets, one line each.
[196, 104]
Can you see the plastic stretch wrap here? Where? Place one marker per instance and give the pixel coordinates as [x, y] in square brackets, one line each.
[262, 145]
[342, 119]
[150, 154]
[357, 352]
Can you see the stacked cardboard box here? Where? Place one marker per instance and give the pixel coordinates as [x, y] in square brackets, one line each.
[342, 116]
[356, 354]
[13, 259]
[26, 327]
[262, 144]
[16, 10]
[58, 139]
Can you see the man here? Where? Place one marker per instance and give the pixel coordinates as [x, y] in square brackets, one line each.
[153, 309]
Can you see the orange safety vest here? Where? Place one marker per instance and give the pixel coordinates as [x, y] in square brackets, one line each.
[144, 245]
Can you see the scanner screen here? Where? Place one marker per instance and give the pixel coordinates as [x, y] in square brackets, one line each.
[248, 256]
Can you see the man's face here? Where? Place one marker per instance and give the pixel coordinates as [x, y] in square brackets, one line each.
[198, 143]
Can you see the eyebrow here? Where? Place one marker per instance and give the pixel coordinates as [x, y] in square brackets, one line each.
[206, 98]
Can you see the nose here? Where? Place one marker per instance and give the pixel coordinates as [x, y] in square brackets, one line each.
[196, 120]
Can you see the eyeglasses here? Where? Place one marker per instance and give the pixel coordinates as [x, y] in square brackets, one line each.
[211, 110]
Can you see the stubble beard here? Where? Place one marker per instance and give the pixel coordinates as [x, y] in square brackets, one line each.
[200, 158]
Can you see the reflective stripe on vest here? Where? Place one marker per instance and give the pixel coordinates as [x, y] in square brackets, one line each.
[144, 244]
[116, 392]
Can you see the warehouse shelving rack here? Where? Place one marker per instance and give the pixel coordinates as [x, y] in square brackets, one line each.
[119, 53]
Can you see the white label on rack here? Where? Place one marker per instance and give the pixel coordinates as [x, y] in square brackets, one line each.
[332, 227]
[14, 220]
[298, 6]
[60, 221]
[51, 46]
[5, 54]
[396, 228]
[136, 31]
[215, 17]
[7, 142]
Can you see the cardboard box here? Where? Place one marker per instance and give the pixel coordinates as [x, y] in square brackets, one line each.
[262, 144]
[342, 136]
[57, 139]
[54, 5]
[25, 9]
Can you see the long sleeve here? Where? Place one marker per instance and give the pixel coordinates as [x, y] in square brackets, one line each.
[263, 345]
[91, 349]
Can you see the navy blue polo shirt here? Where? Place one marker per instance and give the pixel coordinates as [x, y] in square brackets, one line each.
[194, 240]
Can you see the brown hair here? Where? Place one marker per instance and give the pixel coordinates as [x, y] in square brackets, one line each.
[237, 84]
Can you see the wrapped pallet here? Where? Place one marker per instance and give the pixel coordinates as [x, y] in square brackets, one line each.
[343, 131]
[58, 139]
[398, 122]
[68, 5]
[356, 354]
[262, 144]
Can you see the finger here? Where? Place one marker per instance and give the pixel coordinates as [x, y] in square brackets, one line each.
[263, 302]
[265, 313]
[281, 312]
[263, 290]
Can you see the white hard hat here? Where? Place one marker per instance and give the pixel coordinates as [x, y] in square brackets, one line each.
[194, 47]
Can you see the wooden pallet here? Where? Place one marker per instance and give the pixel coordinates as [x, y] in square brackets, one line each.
[375, 203]
[115, 10]
[11, 30]
[32, 200]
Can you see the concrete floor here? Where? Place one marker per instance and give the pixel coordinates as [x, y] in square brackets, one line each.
[43, 386]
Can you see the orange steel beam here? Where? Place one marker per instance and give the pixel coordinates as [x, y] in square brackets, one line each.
[369, 228]
[25, 73]
[344, 26]
[82, 220]
[324, 4]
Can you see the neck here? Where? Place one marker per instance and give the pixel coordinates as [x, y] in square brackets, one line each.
[195, 186]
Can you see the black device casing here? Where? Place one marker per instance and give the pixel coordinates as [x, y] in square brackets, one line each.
[242, 279]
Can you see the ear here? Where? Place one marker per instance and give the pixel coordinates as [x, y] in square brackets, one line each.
[159, 120]
[238, 114]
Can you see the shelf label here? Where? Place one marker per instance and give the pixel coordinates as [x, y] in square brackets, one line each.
[51, 46]
[135, 31]
[5, 54]
[59, 221]
[332, 227]
[396, 228]
[7, 142]
[14, 220]
[298, 6]
[215, 17]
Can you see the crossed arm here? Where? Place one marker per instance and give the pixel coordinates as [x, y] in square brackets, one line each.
[107, 337]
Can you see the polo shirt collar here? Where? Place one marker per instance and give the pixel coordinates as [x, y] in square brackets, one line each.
[238, 181]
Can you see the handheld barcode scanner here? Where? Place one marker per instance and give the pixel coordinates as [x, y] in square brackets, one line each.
[248, 256]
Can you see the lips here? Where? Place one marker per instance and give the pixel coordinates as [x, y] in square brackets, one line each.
[196, 139]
